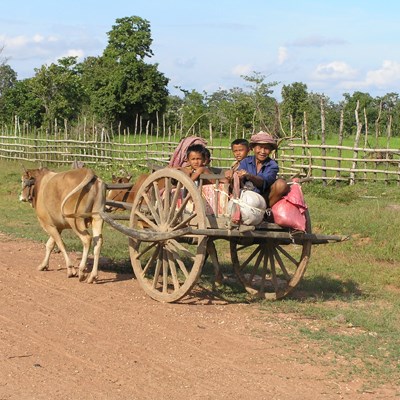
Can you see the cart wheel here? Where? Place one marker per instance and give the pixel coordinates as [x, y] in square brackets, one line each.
[271, 269]
[168, 200]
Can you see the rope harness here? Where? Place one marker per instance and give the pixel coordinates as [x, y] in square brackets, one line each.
[30, 184]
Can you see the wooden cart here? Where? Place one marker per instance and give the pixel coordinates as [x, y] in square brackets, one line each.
[172, 230]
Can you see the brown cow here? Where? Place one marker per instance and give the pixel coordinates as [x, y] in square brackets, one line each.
[67, 200]
[124, 195]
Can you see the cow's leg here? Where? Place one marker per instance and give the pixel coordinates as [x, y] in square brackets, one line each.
[86, 240]
[55, 238]
[97, 228]
[44, 265]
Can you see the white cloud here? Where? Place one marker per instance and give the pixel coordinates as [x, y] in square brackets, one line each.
[282, 55]
[12, 42]
[186, 63]
[333, 71]
[72, 53]
[386, 78]
[15, 43]
[239, 70]
[388, 74]
[37, 38]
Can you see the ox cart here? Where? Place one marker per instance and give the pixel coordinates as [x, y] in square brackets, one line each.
[172, 227]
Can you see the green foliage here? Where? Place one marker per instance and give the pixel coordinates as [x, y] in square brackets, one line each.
[294, 103]
[8, 77]
[193, 111]
[59, 90]
[130, 38]
[263, 104]
[367, 105]
[20, 101]
[119, 83]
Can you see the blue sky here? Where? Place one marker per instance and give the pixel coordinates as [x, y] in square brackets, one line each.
[334, 47]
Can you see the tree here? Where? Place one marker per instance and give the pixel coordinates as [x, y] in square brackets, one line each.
[367, 103]
[390, 112]
[119, 83]
[263, 104]
[231, 108]
[294, 104]
[8, 78]
[20, 101]
[59, 89]
[193, 112]
[332, 115]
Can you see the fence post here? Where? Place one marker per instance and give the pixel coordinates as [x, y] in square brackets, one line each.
[340, 144]
[305, 141]
[323, 142]
[389, 134]
[356, 142]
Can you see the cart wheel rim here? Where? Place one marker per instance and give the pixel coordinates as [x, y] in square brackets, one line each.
[269, 269]
[168, 200]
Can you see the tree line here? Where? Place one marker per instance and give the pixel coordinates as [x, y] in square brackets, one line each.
[114, 88]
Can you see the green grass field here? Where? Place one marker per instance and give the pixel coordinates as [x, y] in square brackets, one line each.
[348, 303]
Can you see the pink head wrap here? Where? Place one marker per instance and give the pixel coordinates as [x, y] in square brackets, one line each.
[263, 138]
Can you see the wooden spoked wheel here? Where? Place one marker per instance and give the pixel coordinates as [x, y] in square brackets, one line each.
[168, 201]
[271, 269]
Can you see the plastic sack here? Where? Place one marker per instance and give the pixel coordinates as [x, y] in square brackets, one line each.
[289, 212]
[252, 207]
[216, 198]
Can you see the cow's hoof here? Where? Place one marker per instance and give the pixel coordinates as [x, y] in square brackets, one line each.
[92, 279]
[43, 268]
[82, 276]
[71, 272]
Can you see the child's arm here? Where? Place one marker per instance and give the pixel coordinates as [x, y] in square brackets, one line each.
[196, 173]
[186, 170]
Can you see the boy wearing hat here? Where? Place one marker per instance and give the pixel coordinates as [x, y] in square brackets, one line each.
[259, 171]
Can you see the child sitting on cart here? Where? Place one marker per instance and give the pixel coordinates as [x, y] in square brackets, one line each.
[240, 149]
[196, 156]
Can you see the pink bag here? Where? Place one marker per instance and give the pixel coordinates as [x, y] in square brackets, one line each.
[289, 212]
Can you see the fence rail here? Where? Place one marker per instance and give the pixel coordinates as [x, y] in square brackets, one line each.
[323, 162]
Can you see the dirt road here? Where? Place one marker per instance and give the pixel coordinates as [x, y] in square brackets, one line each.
[61, 339]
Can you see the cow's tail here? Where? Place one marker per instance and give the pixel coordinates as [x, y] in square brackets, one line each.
[90, 175]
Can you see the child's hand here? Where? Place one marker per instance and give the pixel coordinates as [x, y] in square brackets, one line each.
[199, 171]
[228, 174]
[242, 173]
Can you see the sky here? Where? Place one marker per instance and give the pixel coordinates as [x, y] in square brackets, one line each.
[333, 47]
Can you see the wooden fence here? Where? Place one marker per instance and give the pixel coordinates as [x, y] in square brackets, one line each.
[327, 163]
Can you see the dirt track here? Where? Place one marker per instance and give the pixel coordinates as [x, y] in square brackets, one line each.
[61, 339]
